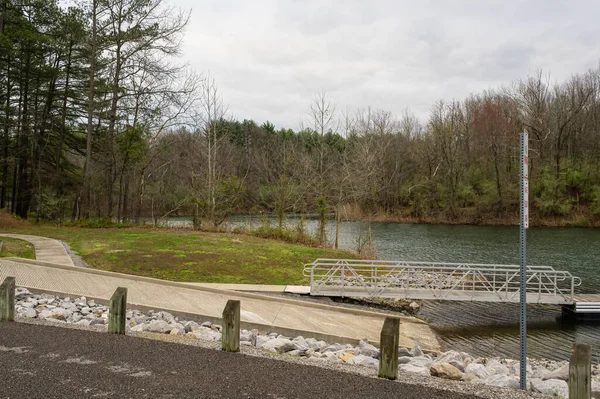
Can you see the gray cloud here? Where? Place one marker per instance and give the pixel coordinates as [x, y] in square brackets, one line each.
[270, 57]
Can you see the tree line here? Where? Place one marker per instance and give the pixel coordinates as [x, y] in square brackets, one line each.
[99, 117]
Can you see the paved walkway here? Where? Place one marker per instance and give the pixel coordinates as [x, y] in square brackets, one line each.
[266, 313]
[46, 249]
[54, 362]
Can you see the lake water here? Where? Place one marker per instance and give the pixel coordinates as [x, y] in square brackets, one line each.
[484, 328]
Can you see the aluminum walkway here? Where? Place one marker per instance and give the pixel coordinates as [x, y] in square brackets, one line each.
[439, 281]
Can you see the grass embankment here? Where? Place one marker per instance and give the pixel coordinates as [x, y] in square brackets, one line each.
[16, 248]
[183, 255]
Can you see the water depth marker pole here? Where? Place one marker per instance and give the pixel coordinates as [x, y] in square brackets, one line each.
[523, 253]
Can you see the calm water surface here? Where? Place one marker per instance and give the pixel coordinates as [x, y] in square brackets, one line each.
[485, 328]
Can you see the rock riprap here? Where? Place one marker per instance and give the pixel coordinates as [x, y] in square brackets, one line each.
[544, 376]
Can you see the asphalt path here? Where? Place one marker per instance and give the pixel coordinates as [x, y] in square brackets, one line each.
[38, 361]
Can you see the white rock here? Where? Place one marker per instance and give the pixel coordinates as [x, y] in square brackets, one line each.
[416, 351]
[561, 373]
[333, 348]
[207, 334]
[301, 352]
[246, 335]
[207, 324]
[318, 346]
[403, 352]
[365, 348]
[500, 380]
[552, 387]
[409, 368]
[159, 326]
[28, 312]
[332, 357]
[446, 357]
[75, 318]
[421, 361]
[363, 360]
[191, 326]
[166, 316]
[495, 367]
[477, 369]
[261, 339]
[83, 322]
[179, 327]
[538, 372]
[279, 345]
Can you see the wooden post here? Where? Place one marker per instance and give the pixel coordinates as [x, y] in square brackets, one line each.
[7, 299]
[388, 346]
[231, 327]
[118, 310]
[580, 372]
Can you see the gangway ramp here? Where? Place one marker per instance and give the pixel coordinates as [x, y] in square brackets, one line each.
[439, 281]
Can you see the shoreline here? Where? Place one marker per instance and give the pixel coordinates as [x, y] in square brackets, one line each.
[465, 218]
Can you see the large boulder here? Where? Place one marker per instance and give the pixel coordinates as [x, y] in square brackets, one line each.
[552, 387]
[446, 357]
[445, 370]
[561, 373]
[279, 345]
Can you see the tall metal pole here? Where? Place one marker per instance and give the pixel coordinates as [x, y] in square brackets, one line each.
[523, 255]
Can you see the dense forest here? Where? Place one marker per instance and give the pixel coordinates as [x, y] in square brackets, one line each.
[100, 117]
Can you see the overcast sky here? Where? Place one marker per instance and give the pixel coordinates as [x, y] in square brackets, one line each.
[270, 57]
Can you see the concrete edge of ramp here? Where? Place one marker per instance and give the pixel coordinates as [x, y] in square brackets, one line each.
[258, 288]
[404, 319]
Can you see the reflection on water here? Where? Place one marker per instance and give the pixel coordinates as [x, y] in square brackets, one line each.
[492, 329]
[482, 328]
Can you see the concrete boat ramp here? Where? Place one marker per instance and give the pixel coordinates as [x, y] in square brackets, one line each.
[205, 302]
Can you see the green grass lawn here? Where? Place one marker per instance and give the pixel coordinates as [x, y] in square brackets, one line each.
[185, 255]
[16, 248]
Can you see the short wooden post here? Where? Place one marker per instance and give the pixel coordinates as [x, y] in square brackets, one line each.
[580, 372]
[388, 346]
[231, 327]
[118, 311]
[7, 299]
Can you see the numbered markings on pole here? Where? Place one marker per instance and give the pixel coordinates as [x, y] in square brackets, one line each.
[525, 182]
